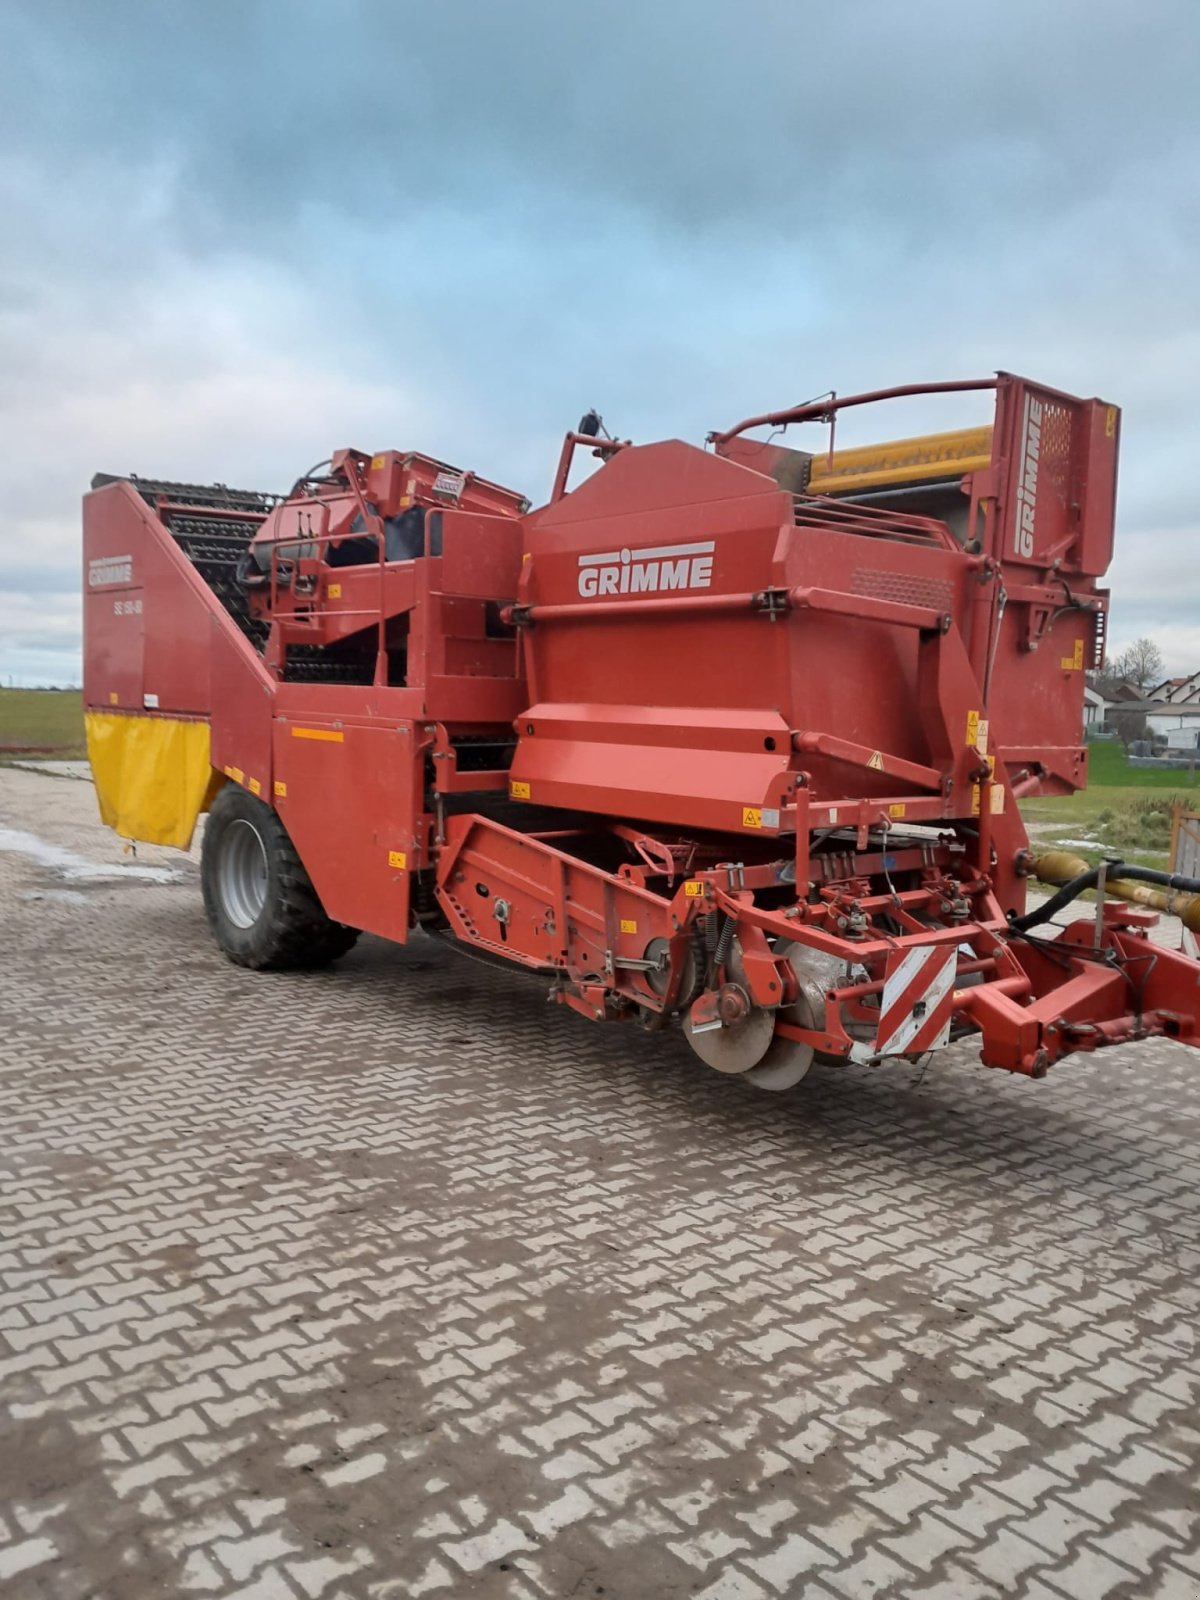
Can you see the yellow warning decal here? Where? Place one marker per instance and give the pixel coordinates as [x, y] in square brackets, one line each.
[236, 774]
[254, 786]
[972, 728]
[377, 462]
[693, 888]
[981, 739]
[1074, 662]
[112, 697]
[280, 790]
[628, 927]
[897, 811]
[974, 799]
[329, 735]
[519, 791]
[397, 859]
[751, 817]
[876, 761]
[1110, 422]
[334, 591]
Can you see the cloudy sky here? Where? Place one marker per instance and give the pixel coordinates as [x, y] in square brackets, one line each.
[238, 234]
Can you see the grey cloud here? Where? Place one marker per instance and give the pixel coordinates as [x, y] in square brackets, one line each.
[873, 117]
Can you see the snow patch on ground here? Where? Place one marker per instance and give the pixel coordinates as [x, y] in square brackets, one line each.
[75, 868]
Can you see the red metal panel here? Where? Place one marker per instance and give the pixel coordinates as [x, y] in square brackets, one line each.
[480, 555]
[1058, 463]
[348, 795]
[161, 652]
[1041, 477]
[242, 695]
[1098, 489]
[114, 657]
[705, 769]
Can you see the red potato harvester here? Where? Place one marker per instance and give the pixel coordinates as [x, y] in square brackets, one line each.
[729, 738]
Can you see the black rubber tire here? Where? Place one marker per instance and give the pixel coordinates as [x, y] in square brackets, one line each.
[291, 931]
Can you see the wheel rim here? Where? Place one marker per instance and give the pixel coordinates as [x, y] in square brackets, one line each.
[242, 874]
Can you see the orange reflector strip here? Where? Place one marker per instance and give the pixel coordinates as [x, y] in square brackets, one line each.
[330, 735]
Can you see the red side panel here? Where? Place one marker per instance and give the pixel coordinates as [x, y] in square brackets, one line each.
[113, 613]
[703, 768]
[1098, 489]
[1055, 466]
[480, 555]
[145, 611]
[151, 623]
[348, 796]
[1058, 468]
[242, 696]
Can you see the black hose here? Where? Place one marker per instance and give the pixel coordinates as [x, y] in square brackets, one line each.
[1089, 879]
[1165, 880]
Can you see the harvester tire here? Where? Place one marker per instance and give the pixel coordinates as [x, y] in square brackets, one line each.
[260, 902]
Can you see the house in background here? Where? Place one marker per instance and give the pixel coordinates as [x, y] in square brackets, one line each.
[1095, 709]
[1178, 691]
[1124, 694]
[1167, 716]
[1103, 699]
[1178, 725]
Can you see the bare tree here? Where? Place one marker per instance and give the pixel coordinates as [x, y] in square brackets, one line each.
[1141, 664]
[1128, 726]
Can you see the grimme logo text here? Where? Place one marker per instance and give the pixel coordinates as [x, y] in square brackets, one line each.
[669, 566]
[110, 569]
[1027, 485]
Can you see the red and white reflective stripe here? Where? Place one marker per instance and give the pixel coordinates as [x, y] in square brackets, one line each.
[918, 1001]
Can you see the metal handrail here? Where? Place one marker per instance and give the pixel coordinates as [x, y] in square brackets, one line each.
[825, 410]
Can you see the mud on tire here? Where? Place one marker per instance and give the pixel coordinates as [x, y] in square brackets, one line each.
[260, 902]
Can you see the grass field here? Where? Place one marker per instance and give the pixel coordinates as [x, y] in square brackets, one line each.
[45, 718]
[1124, 808]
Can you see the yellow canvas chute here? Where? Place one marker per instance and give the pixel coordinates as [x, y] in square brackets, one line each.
[153, 775]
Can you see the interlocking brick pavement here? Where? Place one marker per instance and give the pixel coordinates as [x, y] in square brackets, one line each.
[393, 1281]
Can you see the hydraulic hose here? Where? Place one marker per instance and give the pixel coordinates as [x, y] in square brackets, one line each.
[1171, 892]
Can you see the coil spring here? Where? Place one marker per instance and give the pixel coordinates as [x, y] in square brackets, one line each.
[724, 943]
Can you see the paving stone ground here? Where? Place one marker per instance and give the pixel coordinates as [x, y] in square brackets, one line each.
[393, 1281]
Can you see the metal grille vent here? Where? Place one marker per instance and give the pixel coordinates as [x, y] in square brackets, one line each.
[905, 588]
[1055, 450]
